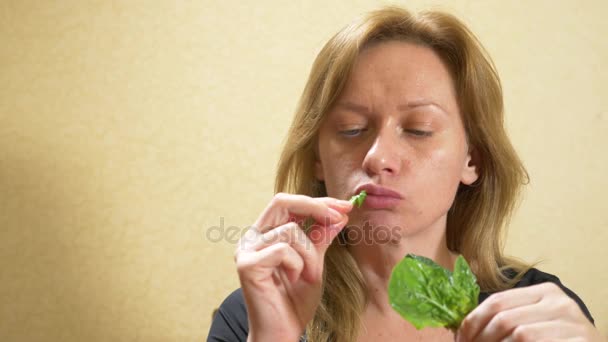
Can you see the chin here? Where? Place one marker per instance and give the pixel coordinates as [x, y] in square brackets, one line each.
[373, 232]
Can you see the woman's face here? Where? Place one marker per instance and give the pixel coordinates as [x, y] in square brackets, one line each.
[396, 126]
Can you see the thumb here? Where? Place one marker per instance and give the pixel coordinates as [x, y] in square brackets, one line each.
[323, 235]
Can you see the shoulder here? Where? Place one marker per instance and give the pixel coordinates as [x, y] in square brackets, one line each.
[234, 302]
[230, 320]
[534, 277]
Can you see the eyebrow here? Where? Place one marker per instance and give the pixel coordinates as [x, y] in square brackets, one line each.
[353, 107]
[357, 108]
[420, 103]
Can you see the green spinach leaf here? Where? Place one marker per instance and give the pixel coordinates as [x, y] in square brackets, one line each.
[427, 295]
[358, 199]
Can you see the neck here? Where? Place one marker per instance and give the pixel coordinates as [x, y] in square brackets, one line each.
[377, 260]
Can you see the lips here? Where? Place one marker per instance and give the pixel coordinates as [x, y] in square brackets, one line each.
[379, 197]
[377, 190]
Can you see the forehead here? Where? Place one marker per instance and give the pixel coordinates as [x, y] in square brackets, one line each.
[398, 69]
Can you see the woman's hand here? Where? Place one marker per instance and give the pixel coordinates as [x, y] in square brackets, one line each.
[536, 313]
[280, 267]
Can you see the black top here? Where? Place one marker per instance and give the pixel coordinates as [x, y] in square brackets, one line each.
[230, 321]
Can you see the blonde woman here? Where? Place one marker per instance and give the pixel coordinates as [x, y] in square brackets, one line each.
[409, 108]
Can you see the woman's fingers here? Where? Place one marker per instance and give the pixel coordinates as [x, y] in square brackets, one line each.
[545, 331]
[288, 207]
[289, 232]
[258, 265]
[277, 240]
[504, 323]
[479, 318]
[329, 215]
[322, 236]
[506, 314]
[292, 234]
[293, 264]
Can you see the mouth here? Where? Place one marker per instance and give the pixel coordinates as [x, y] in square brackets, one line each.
[379, 197]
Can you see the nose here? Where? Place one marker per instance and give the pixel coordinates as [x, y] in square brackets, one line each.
[385, 155]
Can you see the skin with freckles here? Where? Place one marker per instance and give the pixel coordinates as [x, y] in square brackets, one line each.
[397, 124]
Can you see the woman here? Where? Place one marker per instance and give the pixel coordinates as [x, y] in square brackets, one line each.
[408, 108]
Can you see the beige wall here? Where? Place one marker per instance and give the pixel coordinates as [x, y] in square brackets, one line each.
[129, 128]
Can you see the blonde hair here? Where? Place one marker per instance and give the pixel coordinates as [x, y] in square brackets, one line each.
[476, 221]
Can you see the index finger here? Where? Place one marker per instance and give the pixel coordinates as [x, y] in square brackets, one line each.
[475, 321]
[286, 207]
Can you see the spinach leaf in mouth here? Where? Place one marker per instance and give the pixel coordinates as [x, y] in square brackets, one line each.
[428, 295]
[358, 199]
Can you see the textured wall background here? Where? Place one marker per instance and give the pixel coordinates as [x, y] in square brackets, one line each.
[129, 128]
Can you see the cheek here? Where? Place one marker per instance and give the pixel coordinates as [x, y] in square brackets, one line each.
[443, 172]
[339, 169]
[449, 155]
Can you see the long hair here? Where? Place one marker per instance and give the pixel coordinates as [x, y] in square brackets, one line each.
[477, 220]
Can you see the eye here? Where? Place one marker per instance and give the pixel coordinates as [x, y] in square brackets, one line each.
[419, 133]
[352, 132]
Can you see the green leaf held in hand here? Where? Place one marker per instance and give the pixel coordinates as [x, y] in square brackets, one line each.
[358, 199]
[427, 295]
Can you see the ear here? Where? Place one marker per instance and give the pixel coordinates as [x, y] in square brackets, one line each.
[470, 171]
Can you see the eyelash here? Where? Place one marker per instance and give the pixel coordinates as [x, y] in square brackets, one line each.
[419, 133]
[351, 133]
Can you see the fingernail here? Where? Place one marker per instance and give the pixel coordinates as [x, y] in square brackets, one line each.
[343, 203]
[337, 227]
[334, 214]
